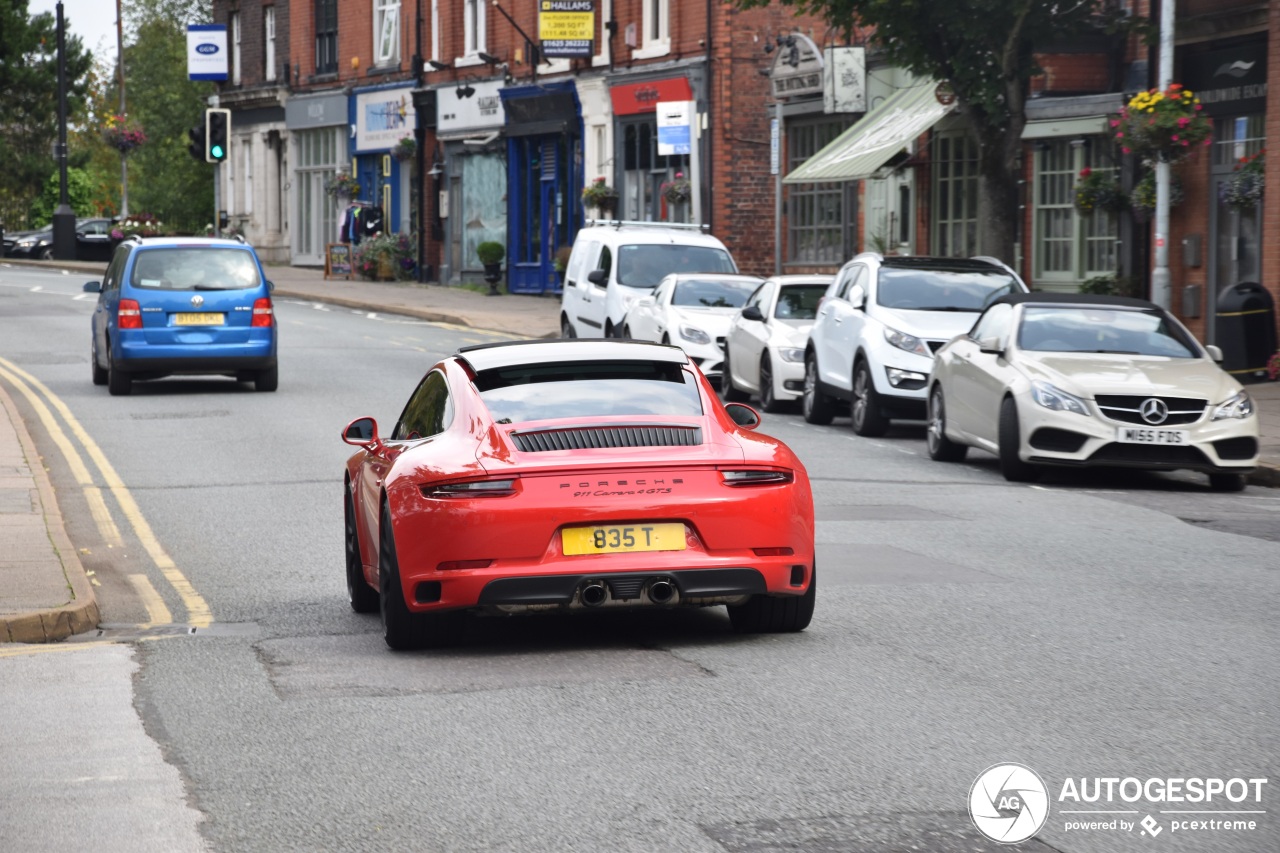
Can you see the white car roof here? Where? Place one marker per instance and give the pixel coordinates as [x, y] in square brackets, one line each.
[640, 234]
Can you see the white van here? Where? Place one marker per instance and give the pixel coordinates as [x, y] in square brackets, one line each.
[616, 263]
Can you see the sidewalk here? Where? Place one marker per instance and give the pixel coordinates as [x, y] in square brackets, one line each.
[44, 594]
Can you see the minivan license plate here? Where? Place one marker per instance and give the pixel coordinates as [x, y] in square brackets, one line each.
[206, 319]
[1140, 435]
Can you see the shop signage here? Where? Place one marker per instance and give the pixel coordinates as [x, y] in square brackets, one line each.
[207, 51]
[845, 87]
[636, 98]
[797, 68]
[1230, 81]
[479, 111]
[674, 127]
[567, 27]
[383, 118]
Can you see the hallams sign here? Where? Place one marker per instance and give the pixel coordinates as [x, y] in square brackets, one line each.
[566, 27]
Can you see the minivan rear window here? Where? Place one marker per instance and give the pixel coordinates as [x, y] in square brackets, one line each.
[195, 268]
[644, 265]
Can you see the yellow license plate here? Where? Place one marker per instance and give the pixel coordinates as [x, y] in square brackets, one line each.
[199, 319]
[620, 539]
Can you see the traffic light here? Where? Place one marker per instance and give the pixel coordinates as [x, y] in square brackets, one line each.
[196, 148]
[217, 128]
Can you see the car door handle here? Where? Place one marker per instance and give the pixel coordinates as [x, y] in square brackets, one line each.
[838, 320]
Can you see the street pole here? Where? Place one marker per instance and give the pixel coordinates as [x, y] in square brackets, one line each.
[124, 160]
[775, 144]
[1161, 281]
[64, 218]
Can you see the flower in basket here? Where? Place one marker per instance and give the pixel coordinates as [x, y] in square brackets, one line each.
[139, 224]
[1099, 191]
[1243, 188]
[342, 185]
[600, 195]
[1142, 199]
[1273, 367]
[677, 191]
[405, 149]
[1162, 125]
[385, 257]
[121, 135]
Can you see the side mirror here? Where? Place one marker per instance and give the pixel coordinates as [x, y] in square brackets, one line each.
[990, 346]
[93, 287]
[271, 285]
[599, 277]
[362, 432]
[752, 312]
[743, 415]
[858, 297]
[1215, 353]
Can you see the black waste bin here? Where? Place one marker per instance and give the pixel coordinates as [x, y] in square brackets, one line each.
[1246, 330]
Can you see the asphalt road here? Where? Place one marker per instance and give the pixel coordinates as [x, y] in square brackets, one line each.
[1092, 625]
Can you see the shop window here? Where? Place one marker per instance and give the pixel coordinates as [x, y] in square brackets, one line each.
[1067, 245]
[235, 48]
[473, 29]
[269, 43]
[605, 56]
[955, 196]
[644, 172]
[326, 36]
[818, 229]
[386, 32]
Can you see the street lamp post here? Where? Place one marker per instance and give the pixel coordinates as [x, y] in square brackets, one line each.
[64, 218]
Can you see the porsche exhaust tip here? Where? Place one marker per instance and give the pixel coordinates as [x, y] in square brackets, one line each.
[594, 594]
[661, 591]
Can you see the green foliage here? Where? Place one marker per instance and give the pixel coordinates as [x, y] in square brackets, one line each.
[491, 252]
[80, 193]
[1109, 285]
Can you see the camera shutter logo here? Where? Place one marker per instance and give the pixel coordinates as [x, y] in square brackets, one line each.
[1008, 803]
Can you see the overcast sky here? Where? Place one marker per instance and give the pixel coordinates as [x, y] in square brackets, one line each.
[93, 20]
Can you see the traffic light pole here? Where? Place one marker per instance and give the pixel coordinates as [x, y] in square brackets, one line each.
[217, 199]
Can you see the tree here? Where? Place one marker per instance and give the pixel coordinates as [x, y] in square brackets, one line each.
[29, 83]
[79, 194]
[985, 50]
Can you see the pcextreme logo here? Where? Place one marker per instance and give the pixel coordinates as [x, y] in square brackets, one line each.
[1009, 803]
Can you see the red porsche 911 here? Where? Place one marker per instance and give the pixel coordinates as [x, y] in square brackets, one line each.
[573, 475]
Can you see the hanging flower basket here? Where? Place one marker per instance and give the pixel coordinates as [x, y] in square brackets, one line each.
[121, 135]
[1099, 191]
[405, 149]
[678, 191]
[1243, 189]
[1162, 125]
[1142, 200]
[342, 186]
[601, 196]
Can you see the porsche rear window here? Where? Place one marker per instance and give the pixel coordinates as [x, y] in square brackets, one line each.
[195, 268]
[535, 392]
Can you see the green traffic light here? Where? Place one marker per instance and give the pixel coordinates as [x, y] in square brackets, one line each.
[216, 151]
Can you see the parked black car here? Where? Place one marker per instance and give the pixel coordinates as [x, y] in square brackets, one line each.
[93, 242]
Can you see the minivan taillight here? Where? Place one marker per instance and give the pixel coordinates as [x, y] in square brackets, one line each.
[129, 314]
[263, 315]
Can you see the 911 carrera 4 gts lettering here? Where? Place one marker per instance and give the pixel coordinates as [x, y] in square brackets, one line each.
[606, 493]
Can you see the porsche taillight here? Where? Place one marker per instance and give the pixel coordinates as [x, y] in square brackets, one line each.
[472, 489]
[129, 314]
[263, 314]
[755, 477]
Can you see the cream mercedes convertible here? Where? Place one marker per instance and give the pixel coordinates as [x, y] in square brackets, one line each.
[1073, 379]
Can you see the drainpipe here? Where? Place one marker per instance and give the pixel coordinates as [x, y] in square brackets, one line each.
[1161, 280]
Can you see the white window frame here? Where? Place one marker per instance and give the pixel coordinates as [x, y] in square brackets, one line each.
[386, 32]
[269, 48]
[605, 55]
[474, 35]
[656, 23]
[246, 175]
[955, 178]
[1098, 227]
[235, 48]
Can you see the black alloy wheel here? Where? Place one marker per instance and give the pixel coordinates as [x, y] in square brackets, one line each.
[816, 406]
[363, 597]
[776, 614]
[728, 390]
[566, 329]
[866, 416]
[1010, 441]
[768, 401]
[941, 448]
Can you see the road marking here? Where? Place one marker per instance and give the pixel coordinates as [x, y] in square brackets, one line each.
[52, 648]
[157, 611]
[197, 608]
[37, 288]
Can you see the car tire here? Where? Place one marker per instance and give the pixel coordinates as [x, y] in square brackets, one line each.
[768, 401]
[403, 629]
[363, 597]
[816, 406]
[626, 332]
[119, 383]
[941, 448]
[865, 415]
[1227, 482]
[267, 380]
[45, 254]
[776, 614]
[99, 373]
[727, 388]
[666, 339]
[1010, 440]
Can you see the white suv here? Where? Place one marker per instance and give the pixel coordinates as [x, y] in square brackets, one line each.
[880, 323]
[613, 265]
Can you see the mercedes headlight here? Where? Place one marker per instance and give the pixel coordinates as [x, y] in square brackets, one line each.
[903, 341]
[1052, 397]
[1238, 405]
[694, 335]
[795, 355]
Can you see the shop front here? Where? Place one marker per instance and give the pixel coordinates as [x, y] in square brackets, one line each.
[473, 179]
[317, 127]
[640, 172]
[544, 173]
[381, 160]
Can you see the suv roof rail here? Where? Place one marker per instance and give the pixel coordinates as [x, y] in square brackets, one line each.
[239, 238]
[618, 223]
[133, 238]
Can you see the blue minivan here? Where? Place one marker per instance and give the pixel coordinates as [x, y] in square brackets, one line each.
[185, 306]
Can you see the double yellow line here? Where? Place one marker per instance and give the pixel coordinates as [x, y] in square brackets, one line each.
[198, 614]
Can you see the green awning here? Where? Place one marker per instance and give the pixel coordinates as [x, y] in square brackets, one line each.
[862, 149]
